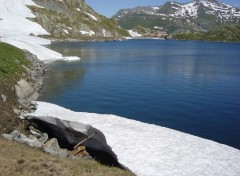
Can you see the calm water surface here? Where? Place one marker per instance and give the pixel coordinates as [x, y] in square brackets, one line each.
[189, 86]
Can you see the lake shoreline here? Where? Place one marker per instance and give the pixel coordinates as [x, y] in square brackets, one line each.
[48, 110]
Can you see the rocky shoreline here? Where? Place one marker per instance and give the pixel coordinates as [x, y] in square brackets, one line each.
[56, 137]
[27, 90]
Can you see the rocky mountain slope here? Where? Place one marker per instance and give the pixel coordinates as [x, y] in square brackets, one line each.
[74, 19]
[173, 17]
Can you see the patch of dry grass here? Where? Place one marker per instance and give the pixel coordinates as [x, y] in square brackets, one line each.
[21, 160]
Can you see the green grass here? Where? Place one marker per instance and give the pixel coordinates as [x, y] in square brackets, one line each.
[12, 61]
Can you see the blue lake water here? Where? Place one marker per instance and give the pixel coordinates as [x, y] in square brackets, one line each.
[189, 86]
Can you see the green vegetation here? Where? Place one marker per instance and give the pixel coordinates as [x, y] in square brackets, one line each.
[12, 61]
[229, 33]
[189, 36]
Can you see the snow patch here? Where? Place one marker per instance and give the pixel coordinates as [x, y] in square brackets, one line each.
[134, 34]
[90, 33]
[17, 30]
[150, 150]
[93, 17]
[104, 32]
[34, 45]
[66, 31]
[71, 58]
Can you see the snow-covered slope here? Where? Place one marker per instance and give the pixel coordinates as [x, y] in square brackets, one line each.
[19, 31]
[221, 10]
[177, 10]
[13, 14]
[150, 150]
[198, 15]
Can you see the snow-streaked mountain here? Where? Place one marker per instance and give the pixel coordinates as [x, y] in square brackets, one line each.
[198, 15]
[16, 28]
[21, 21]
[74, 19]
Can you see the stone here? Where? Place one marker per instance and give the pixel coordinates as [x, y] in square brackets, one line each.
[42, 137]
[74, 132]
[23, 91]
[21, 138]
[16, 111]
[53, 148]
[4, 98]
[35, 132]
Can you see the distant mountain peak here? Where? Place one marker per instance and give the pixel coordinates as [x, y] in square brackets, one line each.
[198, 15]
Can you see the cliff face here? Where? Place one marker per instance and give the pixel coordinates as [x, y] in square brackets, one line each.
[74, 19]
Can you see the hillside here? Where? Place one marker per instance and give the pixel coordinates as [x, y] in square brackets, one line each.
[74, 19]
[173, 17]
[12, 63]
[18, 159]
[23, 160]
[229, 33]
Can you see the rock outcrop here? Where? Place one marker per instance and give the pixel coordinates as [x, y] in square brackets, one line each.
[74, 19]
[40, 140]
[69, 134]
[28, 87]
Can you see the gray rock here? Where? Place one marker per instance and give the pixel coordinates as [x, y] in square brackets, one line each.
[12, 135]
[42, 137]
[21, 138]
[53, 148]
[4, 98]
[74, 132]
[35, 132]
[7, 136]
[16, 111]
[23, 91]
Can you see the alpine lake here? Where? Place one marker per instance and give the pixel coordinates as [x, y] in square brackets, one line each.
[189, 86]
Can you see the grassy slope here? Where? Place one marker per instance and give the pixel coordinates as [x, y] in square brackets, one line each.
[11, 69]
[18, 159]
[229, 33]
[11, 61]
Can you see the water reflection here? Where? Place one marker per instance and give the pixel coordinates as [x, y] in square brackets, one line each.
[60, 77]
[189, 86]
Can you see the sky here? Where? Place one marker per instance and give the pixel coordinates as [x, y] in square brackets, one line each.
[110, 7]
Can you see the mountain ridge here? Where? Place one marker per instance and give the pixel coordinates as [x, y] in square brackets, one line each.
[174, 17]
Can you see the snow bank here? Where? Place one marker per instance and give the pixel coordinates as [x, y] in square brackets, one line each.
[17, 30]
[90, 33]
[14, 14]
[134, 34]
[150, 150]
